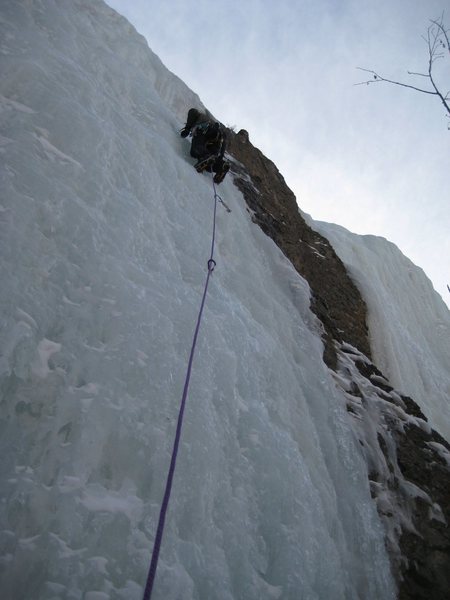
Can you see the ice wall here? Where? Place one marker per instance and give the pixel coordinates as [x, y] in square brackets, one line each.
[409, 323]
[105, 233]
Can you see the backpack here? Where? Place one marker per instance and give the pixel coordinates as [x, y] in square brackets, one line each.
[212, 133]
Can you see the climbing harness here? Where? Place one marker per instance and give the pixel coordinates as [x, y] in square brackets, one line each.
[165, 503]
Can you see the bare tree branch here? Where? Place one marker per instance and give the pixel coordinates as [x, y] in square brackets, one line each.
[440, 25]
[378, 79]
[437, 40]
[435, 35]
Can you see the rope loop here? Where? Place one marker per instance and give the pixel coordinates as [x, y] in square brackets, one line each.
[211, 265]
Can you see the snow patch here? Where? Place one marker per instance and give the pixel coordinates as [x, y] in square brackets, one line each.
[45, 350]
[53, 153]
[9, 103]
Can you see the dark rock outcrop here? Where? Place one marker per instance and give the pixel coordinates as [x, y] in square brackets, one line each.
[335, 298]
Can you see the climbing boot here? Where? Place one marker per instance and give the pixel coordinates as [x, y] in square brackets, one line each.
[220, 175]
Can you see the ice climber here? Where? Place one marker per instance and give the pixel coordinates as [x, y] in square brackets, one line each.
[208, 143]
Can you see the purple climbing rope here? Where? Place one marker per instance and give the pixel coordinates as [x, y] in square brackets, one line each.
[165, 503]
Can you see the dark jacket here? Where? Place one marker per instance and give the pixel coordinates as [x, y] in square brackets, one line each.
[208, 136]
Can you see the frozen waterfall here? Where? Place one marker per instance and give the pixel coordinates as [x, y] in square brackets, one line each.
[104, 237]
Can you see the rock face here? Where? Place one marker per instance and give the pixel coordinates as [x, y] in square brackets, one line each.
[335, 298]
[408, 462]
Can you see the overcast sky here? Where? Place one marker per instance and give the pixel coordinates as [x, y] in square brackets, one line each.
[375, 159]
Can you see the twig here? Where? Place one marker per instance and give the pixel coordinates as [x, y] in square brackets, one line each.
[434, 44]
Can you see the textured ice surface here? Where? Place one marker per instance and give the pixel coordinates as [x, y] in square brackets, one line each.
[105, 233]
[409, 323]
[376, 413]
